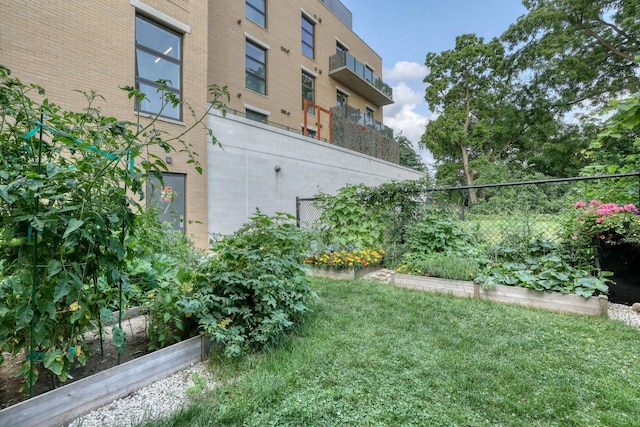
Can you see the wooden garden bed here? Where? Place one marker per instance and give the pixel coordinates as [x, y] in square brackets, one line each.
[344, 274]
[553, 301]
[65, 404]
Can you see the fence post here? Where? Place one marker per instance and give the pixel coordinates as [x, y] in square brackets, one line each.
[298, 211]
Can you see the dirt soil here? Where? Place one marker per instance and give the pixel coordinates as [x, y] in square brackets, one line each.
[137, 345]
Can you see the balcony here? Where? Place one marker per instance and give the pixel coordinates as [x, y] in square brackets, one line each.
[355, 75]
[352, 129]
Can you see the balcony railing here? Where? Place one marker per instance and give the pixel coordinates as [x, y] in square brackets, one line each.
[352, 129]
[354, 74]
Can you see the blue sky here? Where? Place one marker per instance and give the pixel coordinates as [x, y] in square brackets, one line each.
[402, 32]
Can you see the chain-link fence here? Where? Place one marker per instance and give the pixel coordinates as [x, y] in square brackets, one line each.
[516, 211]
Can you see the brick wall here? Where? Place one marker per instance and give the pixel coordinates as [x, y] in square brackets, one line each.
[69, 45]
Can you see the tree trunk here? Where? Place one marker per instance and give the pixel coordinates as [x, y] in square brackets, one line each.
[468, 175]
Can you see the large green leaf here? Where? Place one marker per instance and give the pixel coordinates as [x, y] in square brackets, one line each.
[73, 225]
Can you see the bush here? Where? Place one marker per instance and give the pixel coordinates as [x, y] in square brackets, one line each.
[253, 287]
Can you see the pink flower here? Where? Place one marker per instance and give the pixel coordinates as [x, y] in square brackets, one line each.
[599, 219]
[595, 203]
[574, 237]
[629, 208]
[579, 205]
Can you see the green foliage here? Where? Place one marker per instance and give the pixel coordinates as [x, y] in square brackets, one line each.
[578, 49]
[408, 156]
[589, 224]
[348, 221]
[547, 273]
[69, 187]
[541, 265]
[446, 266]
[437, 231]
[253, 287]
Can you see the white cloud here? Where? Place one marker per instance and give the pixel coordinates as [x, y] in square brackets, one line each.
[405, 70]
[401, 115]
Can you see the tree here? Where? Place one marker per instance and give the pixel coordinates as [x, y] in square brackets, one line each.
[578, 50]
[466, 86]
[408, 156]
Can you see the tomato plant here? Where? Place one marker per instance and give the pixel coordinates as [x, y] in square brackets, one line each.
[69, 188]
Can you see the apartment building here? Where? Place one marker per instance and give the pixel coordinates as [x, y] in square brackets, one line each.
[70, 45]
[273, 55]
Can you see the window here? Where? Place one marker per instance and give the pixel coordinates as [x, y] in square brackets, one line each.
[340, 48]
[158, 57]
[310, 133]
[308, 37]
[368, 73]
[256, 11]
[254, 115]
[368, 120]
[341, 98]
[308, 90]
[256, 68]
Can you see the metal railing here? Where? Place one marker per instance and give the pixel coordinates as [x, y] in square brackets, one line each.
[345, 59]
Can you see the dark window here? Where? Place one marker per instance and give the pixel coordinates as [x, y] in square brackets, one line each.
[158, 57]
[308, 90]
[369, 116]
[256, 68]
[310, 133]
[256, 10]
[340, 48]
[341, 98]
[308, 37]
[254, 115]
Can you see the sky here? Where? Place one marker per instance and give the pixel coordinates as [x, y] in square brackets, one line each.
[402, 32]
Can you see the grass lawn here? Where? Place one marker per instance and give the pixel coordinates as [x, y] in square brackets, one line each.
[374, 355]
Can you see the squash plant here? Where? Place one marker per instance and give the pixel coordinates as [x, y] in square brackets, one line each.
[68, 190]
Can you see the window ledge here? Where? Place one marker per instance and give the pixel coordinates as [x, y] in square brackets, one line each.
[161, 119]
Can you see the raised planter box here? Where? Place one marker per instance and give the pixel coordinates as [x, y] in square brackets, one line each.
[349, 274]
[65, 404]
[458, 288]
[553, 301]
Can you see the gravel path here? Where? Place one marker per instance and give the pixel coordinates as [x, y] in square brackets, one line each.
[154, 401]
[168, 395]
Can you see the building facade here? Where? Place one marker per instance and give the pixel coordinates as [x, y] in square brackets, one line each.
[84, 45]
[271, 54]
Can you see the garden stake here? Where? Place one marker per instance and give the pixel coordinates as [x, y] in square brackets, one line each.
[35, 270]
[95, 287]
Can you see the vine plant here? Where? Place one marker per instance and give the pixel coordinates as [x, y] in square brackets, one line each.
[69, 190]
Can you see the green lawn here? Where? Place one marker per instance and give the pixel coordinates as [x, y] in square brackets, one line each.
[494, 229]
[375, 355]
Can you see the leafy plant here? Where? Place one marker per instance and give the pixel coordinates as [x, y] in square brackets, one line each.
[438, 232]
[546, 273]
[69, 184]
[446, 266]
[347, 221]
[253, 287]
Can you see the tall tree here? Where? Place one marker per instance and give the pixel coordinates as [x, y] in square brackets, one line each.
[578, 50]
[408, 156]
[466, 88]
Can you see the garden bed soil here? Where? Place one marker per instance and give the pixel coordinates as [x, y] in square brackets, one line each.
[137, 346]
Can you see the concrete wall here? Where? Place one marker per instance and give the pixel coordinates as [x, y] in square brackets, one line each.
[241, 175]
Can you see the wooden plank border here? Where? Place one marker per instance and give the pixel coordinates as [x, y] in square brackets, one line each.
[63, 405]
[348, 274]
[553, 301]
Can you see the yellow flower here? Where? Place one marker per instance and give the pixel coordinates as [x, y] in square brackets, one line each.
[75, 306]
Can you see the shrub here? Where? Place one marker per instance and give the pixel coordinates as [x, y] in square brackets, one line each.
[438, 232]
[253, 287]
